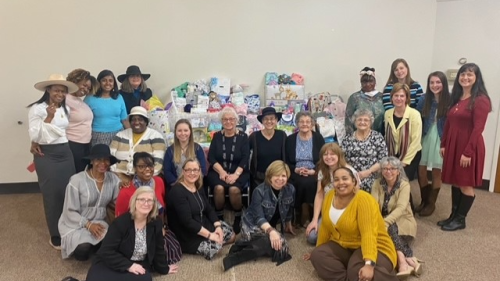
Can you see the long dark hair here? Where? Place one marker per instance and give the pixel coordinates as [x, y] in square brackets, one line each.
[444, 96]
[114, 92]
[46, 99]
[478, 88]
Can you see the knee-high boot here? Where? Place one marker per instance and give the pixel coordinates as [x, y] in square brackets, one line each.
[458, 221]
[424, 194]
[430, 206]
[456, 195]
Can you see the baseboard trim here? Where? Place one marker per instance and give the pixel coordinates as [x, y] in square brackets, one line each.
[485, 186]
[19, 188]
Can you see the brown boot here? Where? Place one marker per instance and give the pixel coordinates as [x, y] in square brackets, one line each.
[431, 203]
[424, 194]
[304, 220]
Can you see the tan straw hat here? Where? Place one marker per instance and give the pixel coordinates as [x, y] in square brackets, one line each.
[56, 79]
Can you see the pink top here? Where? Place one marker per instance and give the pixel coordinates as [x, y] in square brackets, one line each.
[80, 120]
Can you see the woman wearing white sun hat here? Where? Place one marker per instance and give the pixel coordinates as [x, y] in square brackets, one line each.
[48, 120]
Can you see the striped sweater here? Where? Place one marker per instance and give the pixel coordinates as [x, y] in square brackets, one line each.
[123, 148]
[415, 93]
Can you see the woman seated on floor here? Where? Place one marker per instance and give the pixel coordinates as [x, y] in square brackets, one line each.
[192, 218]
[353, 243]
[144, 168]
[137, 138]
[82, 224]
[392, 192]
[272, 204]
[133, 246]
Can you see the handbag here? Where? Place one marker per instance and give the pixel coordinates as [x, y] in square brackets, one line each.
[172, 247]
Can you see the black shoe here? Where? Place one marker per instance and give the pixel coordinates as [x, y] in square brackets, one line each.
[458, 221]
[237, 225]
[234, 259]
[456, 195]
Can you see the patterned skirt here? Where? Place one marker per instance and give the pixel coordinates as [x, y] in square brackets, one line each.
[209, 248]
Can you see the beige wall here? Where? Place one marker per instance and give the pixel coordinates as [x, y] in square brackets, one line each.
[470, 29]
[177, 41]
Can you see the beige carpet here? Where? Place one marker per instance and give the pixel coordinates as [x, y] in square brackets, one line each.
[470, 254]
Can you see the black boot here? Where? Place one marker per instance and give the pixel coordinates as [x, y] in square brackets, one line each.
[458, 222]
[237, 222]
[220, 214]
[424, 194]
[239, 257]
[456, 194]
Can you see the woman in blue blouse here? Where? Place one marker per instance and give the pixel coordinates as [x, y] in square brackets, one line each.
[183, 148]
[108, 107]
[433, 107]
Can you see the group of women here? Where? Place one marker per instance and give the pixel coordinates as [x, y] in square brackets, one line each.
[290, 177]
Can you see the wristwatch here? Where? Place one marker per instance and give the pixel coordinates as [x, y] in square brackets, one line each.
[369, 262]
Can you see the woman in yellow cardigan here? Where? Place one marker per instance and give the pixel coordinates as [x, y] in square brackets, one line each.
[392, 192]
[353, 243]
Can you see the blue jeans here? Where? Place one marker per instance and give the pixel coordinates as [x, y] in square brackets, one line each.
[312, 238]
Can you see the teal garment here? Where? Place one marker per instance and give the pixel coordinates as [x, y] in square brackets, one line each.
[361, 100]
[431, 144]
[108, 113]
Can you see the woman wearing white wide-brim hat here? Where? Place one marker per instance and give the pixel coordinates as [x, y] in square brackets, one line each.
[48, 120]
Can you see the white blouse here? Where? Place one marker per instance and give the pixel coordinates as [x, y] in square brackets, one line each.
[47, 133]
[335, 214]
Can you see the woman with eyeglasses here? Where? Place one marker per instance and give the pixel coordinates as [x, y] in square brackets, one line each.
[192, 218]
[82, 223]
[133, 246]
[302, 154]
[228, 174]
[267, 145]
[144, 176]
[392, 192]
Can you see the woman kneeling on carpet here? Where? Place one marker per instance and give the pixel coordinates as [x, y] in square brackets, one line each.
[133, 246]
[353, 243]
[272, 203]
[192, 218]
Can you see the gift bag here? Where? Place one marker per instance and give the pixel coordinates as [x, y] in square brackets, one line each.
[158, 120]
[253, 102]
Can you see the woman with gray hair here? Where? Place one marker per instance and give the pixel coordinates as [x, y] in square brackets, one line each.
[228, 156]
[392, 192]
[364, 148]
[302, 154]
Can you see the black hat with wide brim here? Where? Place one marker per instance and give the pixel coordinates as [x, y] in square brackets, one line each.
[133, 70]
[269, 111]
[101, 151]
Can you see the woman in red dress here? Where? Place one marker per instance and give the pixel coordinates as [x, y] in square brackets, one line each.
[462, 144]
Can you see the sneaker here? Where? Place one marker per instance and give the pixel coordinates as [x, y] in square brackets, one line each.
[55, 242]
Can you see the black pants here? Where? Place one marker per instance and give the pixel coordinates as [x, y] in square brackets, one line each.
[305, 188]
[79, 151]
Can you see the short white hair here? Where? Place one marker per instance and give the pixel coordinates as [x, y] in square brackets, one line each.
[228, 110]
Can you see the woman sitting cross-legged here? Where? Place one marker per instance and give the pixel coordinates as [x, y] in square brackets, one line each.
[82, 223]
[133, 246]
[392, 192]
[272, 204]
[192, 218]
[353, 243]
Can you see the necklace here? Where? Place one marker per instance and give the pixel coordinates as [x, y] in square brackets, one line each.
[200, 203]
[231, 152]
[94, 178]
[361, 137]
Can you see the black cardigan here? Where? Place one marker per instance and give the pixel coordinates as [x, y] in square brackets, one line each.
[291, 145]
[118, 245]
[131, 101]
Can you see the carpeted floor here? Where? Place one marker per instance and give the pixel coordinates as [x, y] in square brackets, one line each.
[470, 254]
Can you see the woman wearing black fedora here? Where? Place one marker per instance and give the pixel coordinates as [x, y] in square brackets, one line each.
[267, 145]
[82, 224]
[134, 88]
[48, 120]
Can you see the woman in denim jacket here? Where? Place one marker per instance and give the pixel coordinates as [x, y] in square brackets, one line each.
[433, 107]
[272, 203]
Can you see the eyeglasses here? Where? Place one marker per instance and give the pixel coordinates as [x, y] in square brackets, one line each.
[144, 167]
[145, 201]
[192, 171]
[308, 122]
[392, 169]
[225, 120]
